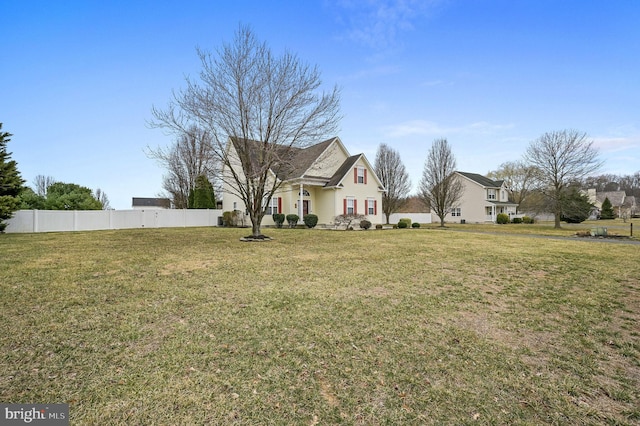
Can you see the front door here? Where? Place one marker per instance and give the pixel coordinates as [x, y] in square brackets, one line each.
[305, 207]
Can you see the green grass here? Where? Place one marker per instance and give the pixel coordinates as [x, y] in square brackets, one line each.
[191, 326]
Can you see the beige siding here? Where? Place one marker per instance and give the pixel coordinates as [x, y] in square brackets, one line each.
[472, 204]
[361, 192]
[328, 162]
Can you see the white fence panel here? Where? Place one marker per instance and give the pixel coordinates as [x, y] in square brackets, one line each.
[92, 220]
[415, 217]
[126, 219]
[52, 221]
[22, 221]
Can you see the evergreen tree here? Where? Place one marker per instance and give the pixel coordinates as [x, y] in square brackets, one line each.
[11, 184]
[202, 196]
[575, 206]
[606, 212]
[70, 196]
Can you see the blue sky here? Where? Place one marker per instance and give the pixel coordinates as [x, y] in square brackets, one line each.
[79, 78]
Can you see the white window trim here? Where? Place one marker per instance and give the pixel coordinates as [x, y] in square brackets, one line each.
[351, 205]
[371, 206]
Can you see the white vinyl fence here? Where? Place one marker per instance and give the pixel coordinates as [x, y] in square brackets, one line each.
[92, 220]
[415, 217]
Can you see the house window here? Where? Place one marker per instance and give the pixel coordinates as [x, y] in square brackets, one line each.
[456, 211]
[491, 194]
[351, 205]
[371, 207]
[274, 206]
[360, 175]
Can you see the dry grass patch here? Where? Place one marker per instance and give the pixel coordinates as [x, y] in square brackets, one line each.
[191, 326]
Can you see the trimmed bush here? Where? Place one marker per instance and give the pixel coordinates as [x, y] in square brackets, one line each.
[230, 218]
[415, 225]
[402, 224]
[516, 220]
[292, 220]
[311, 220]
[365, 224]
[502, 218]
[407, 220]
[527, 219]
[278, 218]
[395, 226]
[378, 226]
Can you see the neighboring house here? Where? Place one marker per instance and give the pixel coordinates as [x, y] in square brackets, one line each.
[150, 203]
[322, 179]
[623, 205]
[482, 200]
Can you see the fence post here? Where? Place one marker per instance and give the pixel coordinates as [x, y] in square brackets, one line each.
[631, 229]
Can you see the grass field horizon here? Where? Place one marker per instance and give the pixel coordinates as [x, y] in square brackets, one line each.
[191, 326]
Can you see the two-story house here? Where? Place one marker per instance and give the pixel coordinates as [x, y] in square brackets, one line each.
[322, 179]
[482, 200]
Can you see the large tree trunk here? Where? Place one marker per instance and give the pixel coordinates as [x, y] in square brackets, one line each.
[255, 229]
[557, 220]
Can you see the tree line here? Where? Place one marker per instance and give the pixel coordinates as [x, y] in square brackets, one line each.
[550, 177]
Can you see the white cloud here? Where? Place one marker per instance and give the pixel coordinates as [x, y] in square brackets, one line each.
[377, 23]
[617, 144]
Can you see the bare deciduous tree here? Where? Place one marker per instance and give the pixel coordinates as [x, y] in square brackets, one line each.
[41, 183]
[265, 104]
[394, 177]
[439, 185]
[101, 196]
[191, 155]
[520, 178]
[562, 157]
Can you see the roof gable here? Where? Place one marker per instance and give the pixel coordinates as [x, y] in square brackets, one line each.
[342, 171]
[307, 157]
[615, 197]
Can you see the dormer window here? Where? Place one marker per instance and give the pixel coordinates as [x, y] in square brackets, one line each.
[491, 194]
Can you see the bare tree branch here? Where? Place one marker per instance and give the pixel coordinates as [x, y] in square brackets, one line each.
[265, 105]
[394, 177]
[440, 187]
[562, 157]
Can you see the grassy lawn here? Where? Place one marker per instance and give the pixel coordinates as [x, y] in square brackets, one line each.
[190, 326]
[615, 226]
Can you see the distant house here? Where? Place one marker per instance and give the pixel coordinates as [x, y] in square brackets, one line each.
[482, 200]
[622, 203]
[150, 203]
[322, 179]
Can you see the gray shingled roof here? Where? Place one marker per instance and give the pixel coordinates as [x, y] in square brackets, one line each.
[482, 180]
[305, 157]
[615, 197]
[295, 160]
[343, 170]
